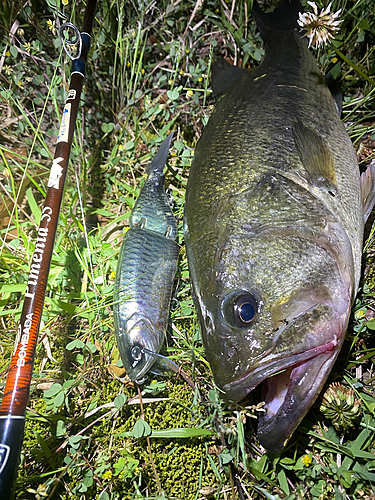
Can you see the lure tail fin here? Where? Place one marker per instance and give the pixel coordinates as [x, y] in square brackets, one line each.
[161, 156]
[283, 18]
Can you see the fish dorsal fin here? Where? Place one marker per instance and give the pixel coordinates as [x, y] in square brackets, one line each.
[224, 75]
[368, 189]
[315, 156]
[335, 89]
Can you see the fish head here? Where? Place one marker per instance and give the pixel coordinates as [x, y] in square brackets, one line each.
[138, 339]
[273, 310]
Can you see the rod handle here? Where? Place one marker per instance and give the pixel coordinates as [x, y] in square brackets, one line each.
[11, 437]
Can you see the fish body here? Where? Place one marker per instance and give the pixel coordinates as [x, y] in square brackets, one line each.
[273, 228]
[146, 268]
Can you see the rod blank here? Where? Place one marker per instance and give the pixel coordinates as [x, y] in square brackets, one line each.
[17, 388]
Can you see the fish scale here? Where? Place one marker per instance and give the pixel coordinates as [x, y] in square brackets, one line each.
[273, 228]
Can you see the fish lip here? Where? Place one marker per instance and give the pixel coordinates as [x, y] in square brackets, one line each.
[239, 388]
[289, 398]
[289, 395]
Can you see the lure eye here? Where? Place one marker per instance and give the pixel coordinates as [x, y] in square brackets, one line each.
[136, 353]
[240, 308]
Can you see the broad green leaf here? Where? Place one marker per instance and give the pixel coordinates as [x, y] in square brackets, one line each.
[75, 344]
[74, 441]
[58, 400]
[371, 324]
[119, 401]
[92, 347]
[283, 481]
[60, 428]
[53, 390]
[173, 94]
[226, 457]
[141, 429]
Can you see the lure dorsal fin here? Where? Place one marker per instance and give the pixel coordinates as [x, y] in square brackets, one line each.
[224, 75]
[368, 189]
[315, 156]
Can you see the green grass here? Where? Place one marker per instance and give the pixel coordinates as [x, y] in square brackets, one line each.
[148, 74]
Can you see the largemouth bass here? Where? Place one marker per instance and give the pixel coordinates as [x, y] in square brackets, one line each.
[274, 224]
[146, 268]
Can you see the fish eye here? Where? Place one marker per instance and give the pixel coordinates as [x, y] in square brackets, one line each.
[240, 308]
[245, 309]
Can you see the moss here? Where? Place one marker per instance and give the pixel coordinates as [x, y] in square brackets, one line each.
[177, 464]
[177, 461]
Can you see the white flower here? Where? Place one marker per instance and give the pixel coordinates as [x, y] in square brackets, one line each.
[319, 27]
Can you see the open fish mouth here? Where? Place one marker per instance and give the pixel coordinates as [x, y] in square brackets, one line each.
[288, 388]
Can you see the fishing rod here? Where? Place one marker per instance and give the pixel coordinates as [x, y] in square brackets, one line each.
[17, 387]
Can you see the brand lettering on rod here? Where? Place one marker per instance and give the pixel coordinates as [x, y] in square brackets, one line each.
[24, 339]
[65, 121]
[56, 173]
[38, 253]
[71, 94]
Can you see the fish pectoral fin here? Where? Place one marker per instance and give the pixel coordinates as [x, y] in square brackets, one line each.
[224, 75]
[368, 189]
[315, 156]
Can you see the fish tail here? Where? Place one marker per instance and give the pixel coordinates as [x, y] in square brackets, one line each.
[283, 18]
